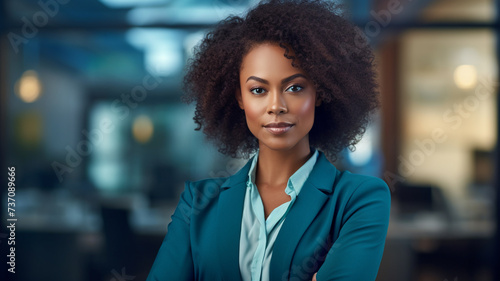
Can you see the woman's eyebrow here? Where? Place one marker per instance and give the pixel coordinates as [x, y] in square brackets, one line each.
[264, 81]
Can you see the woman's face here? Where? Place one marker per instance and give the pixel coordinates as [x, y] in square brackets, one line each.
[278, 99]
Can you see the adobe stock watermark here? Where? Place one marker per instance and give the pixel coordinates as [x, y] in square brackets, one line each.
[373, 28]
[121, 108]
[30, 27]
[454, 117]
[210, 191]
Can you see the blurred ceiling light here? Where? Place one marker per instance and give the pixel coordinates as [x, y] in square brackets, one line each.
[28, 87]
[132, 3]
[163, 60]
[142, 129]
[465, 76]
[182, 15]
[364, 150]
[191, 41]
[163, 54]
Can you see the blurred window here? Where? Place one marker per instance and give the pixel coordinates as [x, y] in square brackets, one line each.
[448, 106]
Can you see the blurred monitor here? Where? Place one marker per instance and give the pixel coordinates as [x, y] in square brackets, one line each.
[415, 199]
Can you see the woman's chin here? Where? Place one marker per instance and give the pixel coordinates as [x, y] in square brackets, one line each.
[279, 145]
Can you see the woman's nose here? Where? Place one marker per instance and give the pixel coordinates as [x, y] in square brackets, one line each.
[277, 104]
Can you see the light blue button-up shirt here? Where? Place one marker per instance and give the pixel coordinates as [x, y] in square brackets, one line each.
[257, 233]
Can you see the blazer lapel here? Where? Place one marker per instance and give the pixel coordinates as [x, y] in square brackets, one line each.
[311, 198]
[229, 215]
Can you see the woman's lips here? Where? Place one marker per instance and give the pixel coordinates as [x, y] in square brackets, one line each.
[278, 128]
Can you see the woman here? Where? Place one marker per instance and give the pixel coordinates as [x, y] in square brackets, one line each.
[293, 83]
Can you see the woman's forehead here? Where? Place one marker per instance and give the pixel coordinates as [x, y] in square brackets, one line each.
[268, 57]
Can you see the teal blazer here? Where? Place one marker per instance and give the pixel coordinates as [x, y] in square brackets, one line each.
[337, 227]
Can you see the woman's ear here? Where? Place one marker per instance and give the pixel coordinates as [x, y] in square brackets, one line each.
[239, 98]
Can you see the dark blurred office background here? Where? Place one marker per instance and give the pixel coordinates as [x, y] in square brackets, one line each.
[91, 119]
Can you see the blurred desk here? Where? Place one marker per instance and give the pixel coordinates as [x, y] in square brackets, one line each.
[60, 212]
[434, 227]
[71, 230]
[430, 247]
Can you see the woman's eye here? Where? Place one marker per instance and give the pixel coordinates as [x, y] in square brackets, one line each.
[294, 88]
[257, 91]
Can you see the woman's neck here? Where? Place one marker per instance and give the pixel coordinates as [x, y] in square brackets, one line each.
[274, 167]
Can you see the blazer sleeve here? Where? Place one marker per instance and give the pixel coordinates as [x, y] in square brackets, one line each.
[174, 260]
[357, 252]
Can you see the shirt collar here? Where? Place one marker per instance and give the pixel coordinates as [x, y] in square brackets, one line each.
[296, 181]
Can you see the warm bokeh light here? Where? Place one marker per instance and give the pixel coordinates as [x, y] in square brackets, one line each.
[29, 88]
[142, 129]
[465, 76]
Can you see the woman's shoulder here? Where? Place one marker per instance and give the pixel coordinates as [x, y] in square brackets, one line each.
[238, 179]
[351, 185]
[213, 185]
[346, 177]
[206, 184]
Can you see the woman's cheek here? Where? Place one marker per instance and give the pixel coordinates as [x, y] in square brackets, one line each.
[252, 114]
[305, 109]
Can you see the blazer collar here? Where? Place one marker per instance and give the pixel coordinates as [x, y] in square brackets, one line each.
[317, 177]
[230, 210]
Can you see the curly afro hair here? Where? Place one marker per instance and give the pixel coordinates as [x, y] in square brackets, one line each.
[330, 49]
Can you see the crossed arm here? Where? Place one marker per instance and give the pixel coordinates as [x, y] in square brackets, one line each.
[355, 255]
[357, 252]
